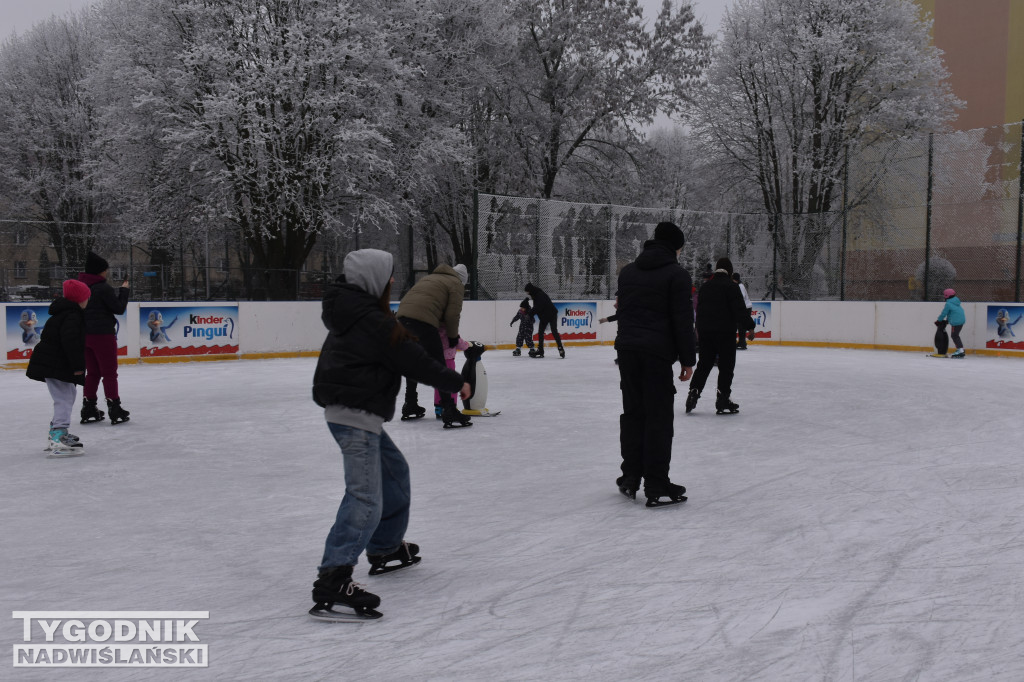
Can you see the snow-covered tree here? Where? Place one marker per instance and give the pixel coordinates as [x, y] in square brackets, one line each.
[48, 129]
[289, 118]
[587, 76]
[795, 85]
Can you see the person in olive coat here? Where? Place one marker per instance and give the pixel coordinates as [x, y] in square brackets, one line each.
[434, 301]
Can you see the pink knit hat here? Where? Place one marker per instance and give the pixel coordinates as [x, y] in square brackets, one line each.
[76, 291]
[949, 293]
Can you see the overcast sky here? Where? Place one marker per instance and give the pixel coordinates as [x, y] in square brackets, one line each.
[20, 15]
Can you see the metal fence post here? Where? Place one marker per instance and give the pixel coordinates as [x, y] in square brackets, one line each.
[775, 253]
[474, 277]
[1020, 214]
[928, 216]
[612, 255]
[842, 254]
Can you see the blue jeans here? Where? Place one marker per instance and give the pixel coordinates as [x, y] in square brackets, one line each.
[374, 512]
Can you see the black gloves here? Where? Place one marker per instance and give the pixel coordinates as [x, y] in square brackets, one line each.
[452, 342]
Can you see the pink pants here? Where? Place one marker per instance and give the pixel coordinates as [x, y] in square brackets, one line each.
[100, 362]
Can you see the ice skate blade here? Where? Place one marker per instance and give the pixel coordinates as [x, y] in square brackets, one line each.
[115, 422]
[381, 570]
[727, 411]
[64, 455]
[455, 425]
[357, 615]
[936, 355]
[90, 421]
[629, 493]
[653, 503]
[412, 417]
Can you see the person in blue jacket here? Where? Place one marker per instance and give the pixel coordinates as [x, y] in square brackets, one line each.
[953, 312]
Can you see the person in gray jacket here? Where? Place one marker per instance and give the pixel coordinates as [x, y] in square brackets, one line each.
[434, 300]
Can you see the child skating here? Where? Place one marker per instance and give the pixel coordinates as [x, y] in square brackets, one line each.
[525, 333]
[954, 313]
[59, 361]
[449, 361]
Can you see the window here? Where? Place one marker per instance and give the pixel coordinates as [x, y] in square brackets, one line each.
[222, 264]
[20, 269]
[20, 235]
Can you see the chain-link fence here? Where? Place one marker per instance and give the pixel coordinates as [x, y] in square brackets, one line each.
[909, 219]
[914, 217]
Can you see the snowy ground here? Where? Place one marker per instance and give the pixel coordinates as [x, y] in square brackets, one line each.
[860, 519]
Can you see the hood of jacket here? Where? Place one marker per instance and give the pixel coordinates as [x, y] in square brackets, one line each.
[62, 305]
[370, 270]
[90, 279]
[345, 304]
[656, 254]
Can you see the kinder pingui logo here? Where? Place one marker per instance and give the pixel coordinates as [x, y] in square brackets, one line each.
[208, 327]
[110, 639]
[576, 319]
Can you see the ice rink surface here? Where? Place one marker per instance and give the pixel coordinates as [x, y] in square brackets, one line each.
[861, 518]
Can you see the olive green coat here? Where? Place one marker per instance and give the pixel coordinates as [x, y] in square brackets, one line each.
[435, 299]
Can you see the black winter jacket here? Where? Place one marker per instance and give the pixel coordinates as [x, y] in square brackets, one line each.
[655, 312]
[720, 306]
[543, 308]
[103, 304]
[358, 366]
[61, 348]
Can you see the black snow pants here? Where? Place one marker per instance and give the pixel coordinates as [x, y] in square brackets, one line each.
[646, 424]
[720, 345]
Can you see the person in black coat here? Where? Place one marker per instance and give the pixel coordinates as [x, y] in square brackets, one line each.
[59, 361]
[547, 316]
[655, 330]
[357, 379]
[101, 340]
[720, 312]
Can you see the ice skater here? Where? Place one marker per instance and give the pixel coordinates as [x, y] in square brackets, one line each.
[59, 361]
[954, 313]
[449, 362]
[720, 313]
[525, 333]
[744, 333]
[357, 379]
[547, 314]
[655, 330]
[433, 301]
[101, 341]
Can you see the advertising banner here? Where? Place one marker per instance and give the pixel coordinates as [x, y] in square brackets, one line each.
[1001, 329]
[24, 326]
[577, 321]
[762, 314]
[191, 329]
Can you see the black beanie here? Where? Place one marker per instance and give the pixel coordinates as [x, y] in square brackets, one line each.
[94, 264]
[724, 264]
[670, 232]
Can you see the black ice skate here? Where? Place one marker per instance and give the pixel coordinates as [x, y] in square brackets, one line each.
[692, 396]
[117, 413]
[451, 417]
[534, 353]
[407, 555]
[89, 411]
[628, 486]
[673, 492]
[517, 352]
[412, 411]
[561, 352]
[336, 588]
[725, 406]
